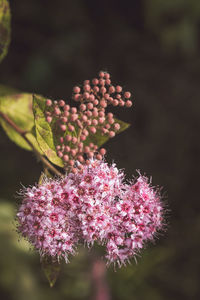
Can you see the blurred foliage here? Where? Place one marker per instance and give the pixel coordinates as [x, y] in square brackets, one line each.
[4, 27]
[175, 22]
[54, 47]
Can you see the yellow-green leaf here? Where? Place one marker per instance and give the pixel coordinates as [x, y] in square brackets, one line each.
[44, 133]
[51, 269]
[18, 108]
[4, 28]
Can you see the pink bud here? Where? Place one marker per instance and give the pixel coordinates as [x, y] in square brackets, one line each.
[60, 154]
[90, 154]
[86, 149]
[90, 105]
[71, 127]
[102, 151]
[92, 98]
[99, 157]
[74, 140]
[49, 119]
[111, 134]
[58, 147]
[104, 131]
[66, 107]
[67, 149]
[68, 138]
[71, 162]
[103, 103]
[95, 113]
[115, 102]
[95, 122]
[107, 126]
[73, 110]
[86, 82]
[73, 152]
[89, 113]
[102, 82]
[84, 118]
[127, 95]
[63, 127]
[101, 114]
[117, 126]
[129, 103]
[96, 102]
[80, 158]
[101, 120]
[85, 132]
[86, 87]
[108, 81]
[61, 103]
[65, 157]
[86, 95]
[101, 74]
[82, 107]
[82, 137]
[106, 96]
[111, 89]
[91, 145]
[121, 103]
[61, 140]
[111, 121]
[66, 113]
[93, 130]
[103, 90]
[48, 102]
[107, 75]
[95, 81]
[74, 117]
[110, 115]
[74, 170]
[118, 89]
[64, 119]
[76, 89]
[76, 97]
[89, 122]
[57, 111]
[96, 89]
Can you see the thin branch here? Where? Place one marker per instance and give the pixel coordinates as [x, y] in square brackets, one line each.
[23, 135]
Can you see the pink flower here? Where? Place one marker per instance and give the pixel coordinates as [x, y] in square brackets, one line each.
[93, 205]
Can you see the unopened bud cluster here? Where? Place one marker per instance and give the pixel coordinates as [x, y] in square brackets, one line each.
[93, 205]
[78, 125]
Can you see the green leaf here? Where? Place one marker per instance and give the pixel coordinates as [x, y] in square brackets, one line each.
[99, 139]
[43, 176]
[44, 133]
[18, 108]
[51, 269]
[4, 28]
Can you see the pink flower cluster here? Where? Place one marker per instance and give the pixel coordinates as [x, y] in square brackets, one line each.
[95, 204]
[78, 125]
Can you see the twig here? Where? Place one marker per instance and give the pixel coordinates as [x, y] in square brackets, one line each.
[23, 135]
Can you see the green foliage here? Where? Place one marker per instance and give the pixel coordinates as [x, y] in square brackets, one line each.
[175, 22]
[44, 133]
[4, 28]
[51, 269]
[18, 108]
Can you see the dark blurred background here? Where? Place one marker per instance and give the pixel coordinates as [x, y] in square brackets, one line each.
[152, 49]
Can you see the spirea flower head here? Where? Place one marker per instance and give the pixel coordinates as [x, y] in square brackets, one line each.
[94, 205]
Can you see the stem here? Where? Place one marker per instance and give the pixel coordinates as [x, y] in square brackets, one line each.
[101, 289]
[23, 133]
